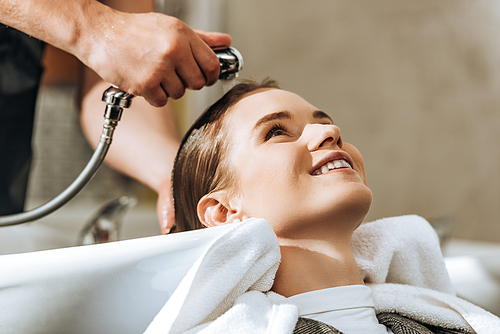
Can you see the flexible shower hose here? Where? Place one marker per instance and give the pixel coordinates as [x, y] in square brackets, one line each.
[116, 100]
[77, 185]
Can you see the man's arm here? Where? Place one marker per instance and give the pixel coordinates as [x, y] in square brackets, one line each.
[144, 144]
[146, 54]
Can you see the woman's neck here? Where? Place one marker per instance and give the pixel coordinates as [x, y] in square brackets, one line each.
[309, 265]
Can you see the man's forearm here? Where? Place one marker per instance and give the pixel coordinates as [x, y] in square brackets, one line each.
[66, 24]
[145, 141]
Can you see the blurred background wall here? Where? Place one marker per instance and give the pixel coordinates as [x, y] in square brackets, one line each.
[413, 84]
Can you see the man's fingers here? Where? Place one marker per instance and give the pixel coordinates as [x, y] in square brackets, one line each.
[173, 86]
[215, 39]
[157, 97]
[208, 62]
[191, 74]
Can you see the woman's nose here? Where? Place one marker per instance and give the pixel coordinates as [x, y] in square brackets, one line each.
[322, 136]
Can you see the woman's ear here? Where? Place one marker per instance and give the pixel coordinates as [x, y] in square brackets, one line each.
[216, 209]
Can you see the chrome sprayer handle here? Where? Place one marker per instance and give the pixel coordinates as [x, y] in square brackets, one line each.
[231, 63]
[117, 97]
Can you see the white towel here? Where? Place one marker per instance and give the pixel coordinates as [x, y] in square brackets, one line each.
[245, 258]
[405, 250]
[433, 307]
[226, 290]
[401, 250]
[254, 312]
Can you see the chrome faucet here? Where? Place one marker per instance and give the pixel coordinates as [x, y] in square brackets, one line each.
[105, 224]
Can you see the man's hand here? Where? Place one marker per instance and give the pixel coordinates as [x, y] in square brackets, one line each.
[154, 55]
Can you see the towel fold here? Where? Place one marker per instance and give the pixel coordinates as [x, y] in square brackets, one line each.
[405, 250]
[253, 313]
[227, 289]
[433, 307]
[245, 258]
[402, 250]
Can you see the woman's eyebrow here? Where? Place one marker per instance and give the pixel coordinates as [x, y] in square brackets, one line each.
[321, 114]
[272, 117]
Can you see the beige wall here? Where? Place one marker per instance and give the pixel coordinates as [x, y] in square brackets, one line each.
[415, 85]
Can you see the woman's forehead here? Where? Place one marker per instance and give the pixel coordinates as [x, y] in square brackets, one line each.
[269, 100]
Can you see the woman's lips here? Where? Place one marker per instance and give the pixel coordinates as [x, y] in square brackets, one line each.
[332, 161]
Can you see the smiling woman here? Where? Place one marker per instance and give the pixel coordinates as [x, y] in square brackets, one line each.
[262, 152]
[277, 140]
[259, 138]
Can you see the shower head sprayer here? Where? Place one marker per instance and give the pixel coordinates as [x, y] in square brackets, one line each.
[231, 63]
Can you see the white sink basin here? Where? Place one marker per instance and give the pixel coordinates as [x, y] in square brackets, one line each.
[116, 287]
[474, 268]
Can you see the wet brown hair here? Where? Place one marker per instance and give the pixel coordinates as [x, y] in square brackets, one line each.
[201, 165]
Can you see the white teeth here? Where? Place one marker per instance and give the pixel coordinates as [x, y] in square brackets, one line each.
[338, 163]
[345, 164]
[332, 165]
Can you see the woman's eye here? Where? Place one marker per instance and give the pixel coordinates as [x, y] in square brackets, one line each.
[277, 130]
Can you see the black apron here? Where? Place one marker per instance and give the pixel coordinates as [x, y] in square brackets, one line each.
[20, 72]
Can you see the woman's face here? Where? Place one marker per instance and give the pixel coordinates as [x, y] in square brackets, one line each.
[292, 167]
